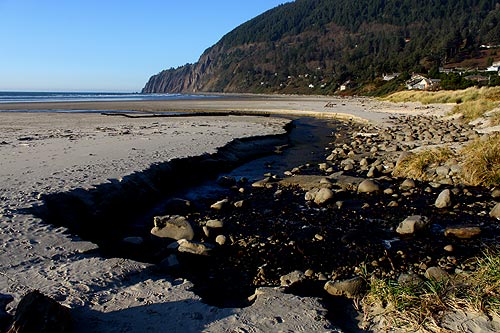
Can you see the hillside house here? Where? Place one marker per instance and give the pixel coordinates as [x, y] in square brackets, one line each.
[346, 85]
[389, 77]
[419, 82]
[495, 67]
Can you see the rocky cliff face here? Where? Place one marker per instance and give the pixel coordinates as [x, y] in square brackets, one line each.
[190, 78]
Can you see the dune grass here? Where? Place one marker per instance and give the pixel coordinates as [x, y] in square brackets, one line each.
[471, 102]
[415, 165]
[420, 306]
[481, 161]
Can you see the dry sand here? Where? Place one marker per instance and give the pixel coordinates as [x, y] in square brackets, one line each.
[53, 152]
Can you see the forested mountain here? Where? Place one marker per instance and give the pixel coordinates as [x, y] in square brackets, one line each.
[312, 46]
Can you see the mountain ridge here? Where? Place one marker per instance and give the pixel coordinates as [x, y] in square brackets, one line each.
[312, 46]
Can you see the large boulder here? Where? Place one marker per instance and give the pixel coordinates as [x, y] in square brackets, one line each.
[292, 278]
[351, 288]
[172, 226]
[324, 195]
[368, 186]
[411, 225]
[463, 232]
[444, 199]
[39, 313]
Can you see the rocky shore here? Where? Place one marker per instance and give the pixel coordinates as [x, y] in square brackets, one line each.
[322, 229]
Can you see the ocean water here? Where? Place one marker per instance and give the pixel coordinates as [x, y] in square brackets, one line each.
[22, 97]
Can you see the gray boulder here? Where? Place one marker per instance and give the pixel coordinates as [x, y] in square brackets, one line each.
[410, 280]
[495, 212]
[324, 195]
[444, 199]
[186, 246]
[172, 226]
[368, 186]
[214, 224]
[436, 274]
[292, 278]
[351, 288]
[411, 225]
[219, 205]
[408, 184]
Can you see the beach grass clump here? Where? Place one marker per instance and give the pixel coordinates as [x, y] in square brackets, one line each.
[480, 290]
[412, 307]
[481, 161]
[421, 306]
[416, 165]
[474, 109]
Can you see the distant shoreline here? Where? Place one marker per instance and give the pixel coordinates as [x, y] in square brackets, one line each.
[361, 109]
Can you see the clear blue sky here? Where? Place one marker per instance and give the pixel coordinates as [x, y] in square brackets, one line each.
[109, 45]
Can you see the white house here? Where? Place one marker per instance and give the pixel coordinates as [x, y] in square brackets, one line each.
[419, 82]
[495, 67]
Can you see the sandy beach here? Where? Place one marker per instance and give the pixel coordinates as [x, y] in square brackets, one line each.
[44, 153]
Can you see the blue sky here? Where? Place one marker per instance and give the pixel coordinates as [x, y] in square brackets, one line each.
[109, 45]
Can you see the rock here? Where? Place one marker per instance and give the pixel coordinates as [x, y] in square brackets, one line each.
[410, 280]
[442, 171]
[393, 204]
[368, 186]
[186, 246]
[311, 195]
[444, 199]
[241, 203]
[178, 206]
[389, 191]
[292, 278]
[436, 273]
[411, 225]
[351, 288]
[463, 232]
[39, 313]
[261, 183]
[170, 262]
[449, 248]
[371, 172]
[324, 195]
[219, 205]
[221, 240]
[133, 240]
[495, 212]
[214, 224]
[172, 226]
[495, 194]
[206, 231]
[5, 318]
[408, 184]
[226, 181]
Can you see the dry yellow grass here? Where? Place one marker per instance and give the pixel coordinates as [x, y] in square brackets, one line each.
[471, 102]
[481, 161]
[415, 165]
